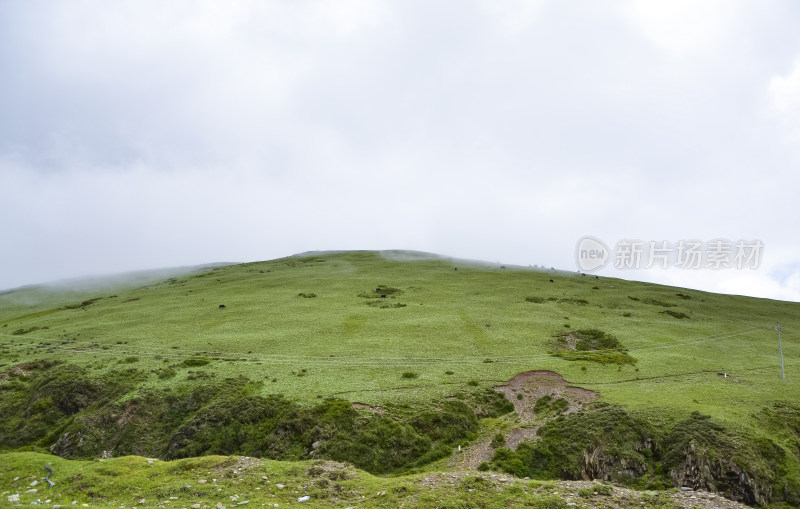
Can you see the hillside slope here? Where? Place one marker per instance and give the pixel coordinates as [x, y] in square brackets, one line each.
[396, 331]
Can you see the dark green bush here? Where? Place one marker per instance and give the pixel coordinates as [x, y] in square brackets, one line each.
[195, 362]
[563, 441]
[498, 441]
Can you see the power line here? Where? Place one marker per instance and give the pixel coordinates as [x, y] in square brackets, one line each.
[94, 348]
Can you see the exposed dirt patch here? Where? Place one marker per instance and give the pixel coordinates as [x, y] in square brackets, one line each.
[519, 435]
[236, 464]
[523, 391]
[128, 413]
[364, 406]
[570, 342]
[532, 385]
[21, 370]
[333, 470]
[472, 456]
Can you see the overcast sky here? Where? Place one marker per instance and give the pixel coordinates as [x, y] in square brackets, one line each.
[149, 134]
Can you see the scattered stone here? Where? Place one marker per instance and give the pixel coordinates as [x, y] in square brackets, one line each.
[280, 486]
[14, 497]
[243, 502]
[34, 483]
[219, 505]
[686, 488]
[202, 481]
[32, 490]
[303, 499]
[195, 506]
[142, 501]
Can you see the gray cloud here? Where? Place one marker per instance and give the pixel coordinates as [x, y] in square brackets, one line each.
[144, 134]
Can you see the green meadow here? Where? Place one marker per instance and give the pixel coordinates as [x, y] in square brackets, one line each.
[397, 329]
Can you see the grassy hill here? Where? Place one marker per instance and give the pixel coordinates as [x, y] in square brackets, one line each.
[397, 331]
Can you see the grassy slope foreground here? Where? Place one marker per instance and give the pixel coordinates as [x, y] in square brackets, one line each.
[687, 383]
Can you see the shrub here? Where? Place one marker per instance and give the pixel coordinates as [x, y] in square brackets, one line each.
[572, 300]
[675, 314]
[166, 373]
[534, 299]
[195, 362]
[563, 441]
[307, 295]
[20, 332]
[654, 302]
[594, 345]
[409, 374]
[498, 441]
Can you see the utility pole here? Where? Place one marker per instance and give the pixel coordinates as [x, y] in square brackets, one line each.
[778, 328]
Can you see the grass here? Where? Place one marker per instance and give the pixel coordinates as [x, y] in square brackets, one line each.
[356, 349]
[435, 322]
[229, 481]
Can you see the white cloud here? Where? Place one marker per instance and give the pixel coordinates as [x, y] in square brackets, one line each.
[684, 27]
[514, 17]
[785, 90]
[784, 98]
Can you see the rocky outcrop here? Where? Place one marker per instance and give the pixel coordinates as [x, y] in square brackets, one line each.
[701, 471]
[597, 464]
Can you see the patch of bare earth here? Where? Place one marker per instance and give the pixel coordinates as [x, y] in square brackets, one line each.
[533, 385]
[363, 406]
[523, 391]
